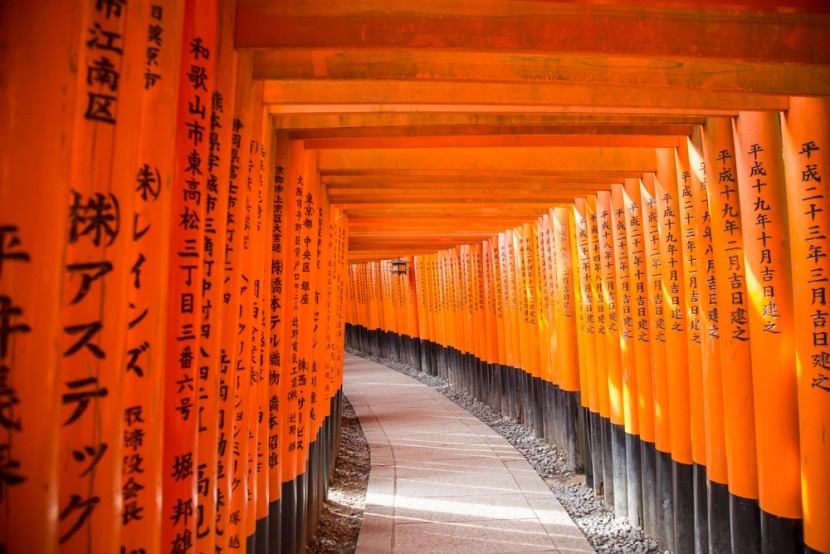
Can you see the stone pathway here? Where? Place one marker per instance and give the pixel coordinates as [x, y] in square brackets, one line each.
[443, 481]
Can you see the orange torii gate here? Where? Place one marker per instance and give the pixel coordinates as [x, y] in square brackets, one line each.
[615, 236]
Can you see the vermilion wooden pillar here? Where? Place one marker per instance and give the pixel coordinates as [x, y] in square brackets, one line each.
[735, 354]
[659, 313]
[692, 252]
[711, 379]
[567, 357]
[763, 201]
[142, 471]
[96, 316]
[626, 308]
[638, 262]
[807, 160]
[34, 98]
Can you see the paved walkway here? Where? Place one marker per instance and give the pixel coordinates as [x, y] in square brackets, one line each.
[442, 481]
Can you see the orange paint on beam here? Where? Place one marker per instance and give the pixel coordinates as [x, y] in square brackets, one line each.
[505, 159]
[545, 27]
[596, 69]
[319, 125]
[496, 108]
[508, 141]
[415, 93]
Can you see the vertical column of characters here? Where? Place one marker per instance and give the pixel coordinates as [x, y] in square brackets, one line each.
[478, 329]
[421, 298]
[239, 302]
[318, 409]
[626, 308]
[498, 300]
[277, 318]
[141, 470]
[807, 159]
[96, 311]
[329, 297]
[340, 269]
[513, 300]
[769, 287]
[38, 97]
[550, 292]
[425, 262]
[306, 201]
[566, 319]
[529, 246]
[324, 298]
[585, 304]
[735, 353]
[655, 275]
[545, 292]
[413, 320]
[507, 324]
[641, 325]
[462, 296]
[387, 309]
[212, 314]
[294, 420]
[464, 267]
[610, 303]
[489, 333]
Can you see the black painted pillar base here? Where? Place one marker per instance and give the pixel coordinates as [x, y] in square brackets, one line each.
[573, 429]
[745, 521]
[288, 517]
[302, 511]
[780, 535]
[596, 453]
[619, 467]
[648, 463]
[718, 514]
[665, 491]
[701, 507]
[607, 463]
[261, 537]
[683, 498]
[539, 401]
[633, 479]
[587, 448]
[275, 524]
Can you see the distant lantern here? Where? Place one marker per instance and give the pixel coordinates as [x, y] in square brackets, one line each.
[399, 267]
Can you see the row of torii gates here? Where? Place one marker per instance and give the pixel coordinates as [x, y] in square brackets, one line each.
[606, 219]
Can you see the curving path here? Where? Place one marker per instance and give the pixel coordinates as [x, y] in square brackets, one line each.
[443, 481]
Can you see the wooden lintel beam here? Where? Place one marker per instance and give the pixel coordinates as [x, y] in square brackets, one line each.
[635, 160]
[345, 92]
[454, 107]
[541, 67]
[414, 123]
[489, 187]
[512, 141]
[491, 132]
[468, 177]
[580, 28]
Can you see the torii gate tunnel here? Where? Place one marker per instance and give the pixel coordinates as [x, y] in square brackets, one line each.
[606, 219]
